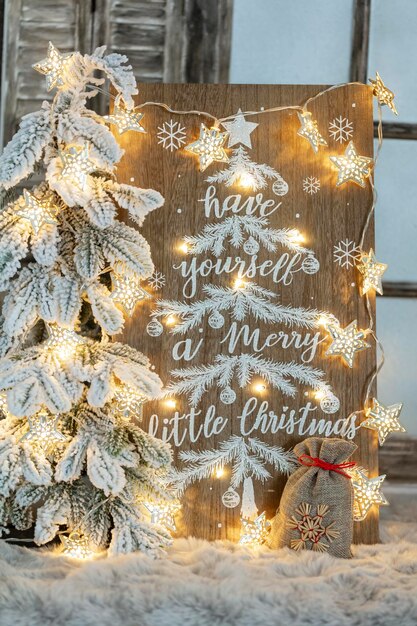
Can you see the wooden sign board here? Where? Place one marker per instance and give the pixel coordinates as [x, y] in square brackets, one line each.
[235, 409]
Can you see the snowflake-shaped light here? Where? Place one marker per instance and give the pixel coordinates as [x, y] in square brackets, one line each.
[76, 546]
[125, 119]
[311, 185]
[383, 94]
[347, 341]
[43, 430]
[383, 419]
[372, 272]
[254, 532]
[76, 165]
[157, 280]
[366, 492]
[311, 528]
[163, 514]
[127, 291]
[171, 135]
[352, 167]
[340, 129]
[346, 253]
[129, 402]
[38, 212]
[53, 67]
[309, 130]
[209, 146]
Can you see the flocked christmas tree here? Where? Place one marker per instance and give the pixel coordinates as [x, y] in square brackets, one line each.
[71, 455]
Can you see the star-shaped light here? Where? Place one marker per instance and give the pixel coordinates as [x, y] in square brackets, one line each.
[209, 146]
[4, 410]
[383, 94]
[352, 167]
[254, 532]
[239, 130]
[63, 341]
[366, 492]
[43, 430]
[372, 272]
[309, 130]
[346, 341]
[129, 401]
[383, 419]
[127, 291]
[38, 212]
[76, 165]
[53, 67]
[125, 120]
[163, 514]
[76, 546]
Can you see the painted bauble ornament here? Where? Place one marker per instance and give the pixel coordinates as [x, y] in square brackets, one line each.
[330, 404]
[280, 187]
[310, 265]
[231, 498]
[154, 328]
[228, 396]
[251, 246]
[216, 320]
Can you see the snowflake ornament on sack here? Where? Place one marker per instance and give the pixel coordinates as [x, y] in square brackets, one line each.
[171, 135]
[314, 533]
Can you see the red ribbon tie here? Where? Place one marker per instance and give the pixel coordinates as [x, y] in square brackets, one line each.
[314, 461]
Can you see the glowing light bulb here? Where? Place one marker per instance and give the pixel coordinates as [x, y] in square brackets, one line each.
[297, 237]
[171, 320]
[219, 472]
[259, 387]
[170, 403]
[239, 284]
[320, 394]
[183, 247]
[247, 180]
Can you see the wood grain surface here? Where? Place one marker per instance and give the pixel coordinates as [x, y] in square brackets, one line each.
[325, 218]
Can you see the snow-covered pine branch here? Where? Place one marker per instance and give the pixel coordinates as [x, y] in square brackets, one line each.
[241, 167]
[247, 458]
[235, 228]
[248, 300]
[195, 381]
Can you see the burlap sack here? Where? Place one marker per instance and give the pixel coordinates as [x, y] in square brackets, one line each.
[315, 511]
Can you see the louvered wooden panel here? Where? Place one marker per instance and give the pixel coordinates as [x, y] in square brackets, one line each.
[137, 29]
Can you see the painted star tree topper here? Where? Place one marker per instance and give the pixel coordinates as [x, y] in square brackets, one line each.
[239, 130]
[209, 146]
[383, 419]
[352, 167]
[372, 272]
[346, 341]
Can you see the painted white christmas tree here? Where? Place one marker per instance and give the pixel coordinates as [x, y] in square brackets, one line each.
[68, 447]
[247, 458]
[247, 173]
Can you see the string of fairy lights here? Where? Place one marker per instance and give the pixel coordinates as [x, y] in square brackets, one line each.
[127, 291]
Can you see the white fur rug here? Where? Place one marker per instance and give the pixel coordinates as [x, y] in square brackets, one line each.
[202, 584]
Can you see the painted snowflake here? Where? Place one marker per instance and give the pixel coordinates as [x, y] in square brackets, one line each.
[171, 135]
[311, 185]
[346, 253]
[340, 129]
[311, 529]
[157, 280]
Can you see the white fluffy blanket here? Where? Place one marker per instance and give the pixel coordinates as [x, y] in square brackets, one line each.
[202, 584]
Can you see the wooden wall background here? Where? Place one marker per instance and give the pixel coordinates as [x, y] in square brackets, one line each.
[327, 217]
